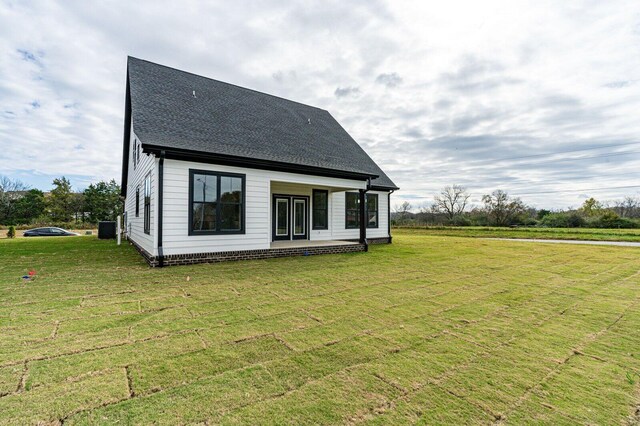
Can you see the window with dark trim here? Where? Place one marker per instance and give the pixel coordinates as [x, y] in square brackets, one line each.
[320, 212]
[147, 204]
[138, 201]
[352, 210]
[372, 210]
[135, 149]
[216, 203]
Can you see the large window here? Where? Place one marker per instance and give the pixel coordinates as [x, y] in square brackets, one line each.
[372, 210]
[352, 209]
[147, 204]
[320, 209]
[216, 202]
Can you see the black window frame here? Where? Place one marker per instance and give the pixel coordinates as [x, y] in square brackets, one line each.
[147, 204]
[138, 201]
[135, 149]
[346, 210]
[218, 175]
[325, 208]
[367, 205]
[357, 211]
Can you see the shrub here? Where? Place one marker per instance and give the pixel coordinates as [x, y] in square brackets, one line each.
[610, 219]
[11, 233]
[460, 221]
[562, 220]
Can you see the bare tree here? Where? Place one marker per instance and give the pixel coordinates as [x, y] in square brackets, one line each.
[501, 208]
[628, 207]
[403, 209]
[451, 201]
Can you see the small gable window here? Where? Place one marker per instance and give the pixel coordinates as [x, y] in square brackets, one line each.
[138, 201]
[135, 153]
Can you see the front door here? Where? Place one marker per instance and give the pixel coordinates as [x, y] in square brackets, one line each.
[281, 218]
[299, 218]
[290, 217]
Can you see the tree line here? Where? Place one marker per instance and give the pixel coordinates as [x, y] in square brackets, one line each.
[62, 206]
[451, 207]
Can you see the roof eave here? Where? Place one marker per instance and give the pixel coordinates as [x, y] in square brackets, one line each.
[384, 188]
[253, 163]
[126, 138]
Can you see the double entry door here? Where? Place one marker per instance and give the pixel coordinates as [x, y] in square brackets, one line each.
[290, 217]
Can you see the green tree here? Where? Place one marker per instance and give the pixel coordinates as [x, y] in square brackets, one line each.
[77, 206]
[10, 192]
[502, 209]
[30, 206]
[542, 213]
[60, 201]
[591, 207]
[102, 201]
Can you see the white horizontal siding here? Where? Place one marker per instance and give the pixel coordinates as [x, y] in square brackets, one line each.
[260, 185]
[135, 179]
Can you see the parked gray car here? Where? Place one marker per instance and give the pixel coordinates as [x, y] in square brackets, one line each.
[48, 232]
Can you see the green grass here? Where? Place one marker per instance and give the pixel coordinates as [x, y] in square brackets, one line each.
[429, 330]
[595, 234]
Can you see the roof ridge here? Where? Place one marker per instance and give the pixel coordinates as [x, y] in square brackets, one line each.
[129, 57]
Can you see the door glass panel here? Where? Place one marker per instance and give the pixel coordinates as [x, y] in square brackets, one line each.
[298, 217]
[282, 217]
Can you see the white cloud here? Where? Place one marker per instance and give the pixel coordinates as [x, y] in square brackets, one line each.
[436, 92]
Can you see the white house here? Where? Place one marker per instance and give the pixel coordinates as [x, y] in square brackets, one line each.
[213, 171]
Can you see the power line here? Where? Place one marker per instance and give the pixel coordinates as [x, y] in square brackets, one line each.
[555, 179]
[612, 154]
[576, 190]
[521, 157]
[563, 152]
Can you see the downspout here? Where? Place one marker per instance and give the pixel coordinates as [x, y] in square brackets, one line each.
[363, 216]
[160, 188]
[389, 214]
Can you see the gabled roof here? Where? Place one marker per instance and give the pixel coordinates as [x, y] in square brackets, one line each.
[227, 122]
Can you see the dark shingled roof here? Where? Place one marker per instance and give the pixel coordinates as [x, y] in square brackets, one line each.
[228, 120]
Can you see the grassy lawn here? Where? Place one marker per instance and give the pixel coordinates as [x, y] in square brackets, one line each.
[595, 234]
[431, 329]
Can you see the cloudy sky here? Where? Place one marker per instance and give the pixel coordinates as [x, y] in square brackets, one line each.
[540, 98]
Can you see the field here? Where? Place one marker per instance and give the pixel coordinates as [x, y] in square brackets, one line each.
[431, 330]
[594, 234]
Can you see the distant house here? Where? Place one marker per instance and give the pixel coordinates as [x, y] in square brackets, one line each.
[213, 171]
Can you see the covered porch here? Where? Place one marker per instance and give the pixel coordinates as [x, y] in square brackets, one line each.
[316, 214]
